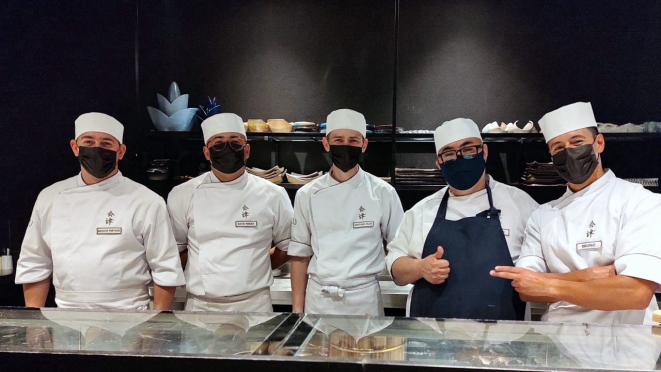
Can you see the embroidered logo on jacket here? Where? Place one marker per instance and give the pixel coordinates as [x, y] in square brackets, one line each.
[109, 219]
[245, 214]
[361, 213]
[109, 230]
[591, 230]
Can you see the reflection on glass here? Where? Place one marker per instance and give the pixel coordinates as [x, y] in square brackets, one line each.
[139, 332]
[396, 341]
[468, 343]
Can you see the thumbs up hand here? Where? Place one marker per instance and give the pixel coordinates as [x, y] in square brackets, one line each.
[434, 268]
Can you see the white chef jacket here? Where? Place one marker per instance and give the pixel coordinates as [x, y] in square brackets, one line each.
[237, 224]
[100, 243]
[612, 221]
[515, 205]
[343, 225]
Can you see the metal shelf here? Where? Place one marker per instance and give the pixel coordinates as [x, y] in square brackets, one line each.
[528, 137]
[276, 137]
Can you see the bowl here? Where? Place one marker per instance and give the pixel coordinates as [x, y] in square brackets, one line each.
[257, 126]
[280, 126]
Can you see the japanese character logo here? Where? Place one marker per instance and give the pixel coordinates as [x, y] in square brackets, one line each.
[245, 213]
[109, 219]
[361, 213]
[591, 229]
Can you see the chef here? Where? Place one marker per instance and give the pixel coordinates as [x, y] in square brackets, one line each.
[102, 237]
[236, 225]
[449, 241]
[600, 221]
[340, 222]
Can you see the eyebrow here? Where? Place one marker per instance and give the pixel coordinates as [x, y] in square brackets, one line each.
[448, 148]
[102, 139]
[578, 136]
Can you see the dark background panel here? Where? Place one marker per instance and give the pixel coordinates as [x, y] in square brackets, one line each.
[58, 59]
[507, 60]
[271, 59]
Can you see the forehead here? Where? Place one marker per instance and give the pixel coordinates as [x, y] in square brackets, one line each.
[97, 136]
[227, 136]
[461, 143]
[578, 133]
[344, 133]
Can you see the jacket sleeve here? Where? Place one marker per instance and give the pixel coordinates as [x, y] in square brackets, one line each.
[637, 250]
[400, 246]
[532, 257]
[283, 220]
[394, 213]
[160, 246]
[301, 235]
[177, 210]
[34, 263]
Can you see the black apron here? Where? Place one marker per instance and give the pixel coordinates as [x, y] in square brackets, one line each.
[474, 246]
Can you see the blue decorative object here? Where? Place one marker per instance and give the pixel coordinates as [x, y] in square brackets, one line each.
[209, 109]
[168, 108]
[174, 114]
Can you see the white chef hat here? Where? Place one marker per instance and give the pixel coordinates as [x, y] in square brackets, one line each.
[455, 130]
[568, 118]
[222, 123]
[346, 119]
[98, 122]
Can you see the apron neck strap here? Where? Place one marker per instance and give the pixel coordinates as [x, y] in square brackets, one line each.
[443, 208]
[492, 210]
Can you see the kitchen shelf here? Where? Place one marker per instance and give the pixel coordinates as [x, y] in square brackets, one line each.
[400, 137]
[275, 137]
[527, 137]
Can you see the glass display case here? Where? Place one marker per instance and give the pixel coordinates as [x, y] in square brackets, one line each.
[49, 337]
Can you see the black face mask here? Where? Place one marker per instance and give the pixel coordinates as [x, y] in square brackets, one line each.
[345, 157]
[97, 161]
[227, 160]
[575, 165]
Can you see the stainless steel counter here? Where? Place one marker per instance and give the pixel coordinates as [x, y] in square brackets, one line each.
[106, 340]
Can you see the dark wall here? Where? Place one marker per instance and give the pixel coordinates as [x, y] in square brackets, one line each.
[271, 59]
[58, 59]
[507, 60]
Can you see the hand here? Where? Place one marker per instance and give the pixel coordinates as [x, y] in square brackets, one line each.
[601, 272]
[433, 268]
[525, 281]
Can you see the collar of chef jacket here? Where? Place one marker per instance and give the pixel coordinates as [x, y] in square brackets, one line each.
[353, 182]
[107, 184]
[240, 181]
[595, 187]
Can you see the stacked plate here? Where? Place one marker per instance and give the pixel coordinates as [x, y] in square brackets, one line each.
[645, 182]
[300, 179]
[419, 177]
[541, 174]
[274, 174]
[305, 126]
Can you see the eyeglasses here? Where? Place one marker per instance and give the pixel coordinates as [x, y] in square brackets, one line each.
[234, 145]
[468, 152]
